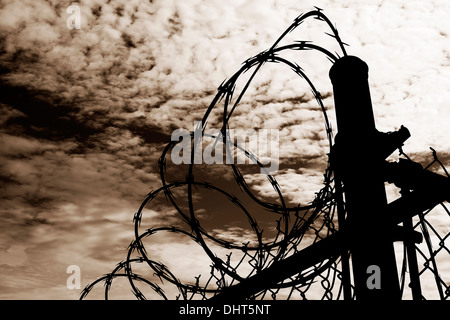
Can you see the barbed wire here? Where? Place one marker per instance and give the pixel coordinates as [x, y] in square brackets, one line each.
[427, 252]
[296, 227]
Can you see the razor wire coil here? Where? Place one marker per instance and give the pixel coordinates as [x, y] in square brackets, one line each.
[315, 221]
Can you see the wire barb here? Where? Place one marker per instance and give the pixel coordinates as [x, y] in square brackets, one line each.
[296, 227]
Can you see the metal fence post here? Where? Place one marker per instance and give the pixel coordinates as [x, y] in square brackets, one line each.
[357, 159]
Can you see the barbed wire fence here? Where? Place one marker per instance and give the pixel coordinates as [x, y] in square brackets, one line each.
[434, 249]
[296, 227]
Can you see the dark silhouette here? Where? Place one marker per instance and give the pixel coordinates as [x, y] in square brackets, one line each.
[349, 217]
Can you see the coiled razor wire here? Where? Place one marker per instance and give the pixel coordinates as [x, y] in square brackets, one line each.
[295, 225]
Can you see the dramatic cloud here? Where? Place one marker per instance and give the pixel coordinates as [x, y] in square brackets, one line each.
[85, 114]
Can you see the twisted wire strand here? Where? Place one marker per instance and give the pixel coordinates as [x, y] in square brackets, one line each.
[263, 254]
[295, 225]
[429, 232]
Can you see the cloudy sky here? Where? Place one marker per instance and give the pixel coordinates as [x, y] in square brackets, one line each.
[85, 113]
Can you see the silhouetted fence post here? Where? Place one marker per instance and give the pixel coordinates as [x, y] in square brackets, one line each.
[358, 158]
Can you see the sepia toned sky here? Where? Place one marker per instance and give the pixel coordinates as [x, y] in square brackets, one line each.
[86, 113]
